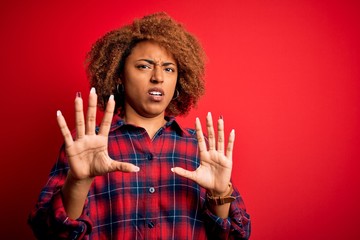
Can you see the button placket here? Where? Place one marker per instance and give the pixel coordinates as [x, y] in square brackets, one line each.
[151, 224]
[151, 190]
[149, 156]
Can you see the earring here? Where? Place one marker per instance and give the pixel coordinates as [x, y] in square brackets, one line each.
[120, 88]
[176, 95]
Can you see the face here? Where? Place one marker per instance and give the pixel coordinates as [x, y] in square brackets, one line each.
[149, 78]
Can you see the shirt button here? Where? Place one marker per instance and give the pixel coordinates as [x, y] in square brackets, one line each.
[149, 157]
[151, 190]
[151, 224]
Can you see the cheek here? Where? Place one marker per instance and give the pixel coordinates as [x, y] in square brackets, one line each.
[134, 80]
[172, 86]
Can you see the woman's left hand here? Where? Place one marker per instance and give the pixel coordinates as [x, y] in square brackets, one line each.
[214, 172]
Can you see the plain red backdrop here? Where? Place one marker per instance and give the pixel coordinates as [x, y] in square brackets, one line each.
[284, 74]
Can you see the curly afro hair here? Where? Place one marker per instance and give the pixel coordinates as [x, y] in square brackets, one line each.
[106, 60]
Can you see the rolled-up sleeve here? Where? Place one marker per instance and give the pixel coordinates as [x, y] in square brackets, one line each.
[236, 226]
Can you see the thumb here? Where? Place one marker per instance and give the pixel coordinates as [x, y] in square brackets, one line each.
[123, 167]
[184, 173]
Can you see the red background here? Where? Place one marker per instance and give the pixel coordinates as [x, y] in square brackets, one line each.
[284, 74]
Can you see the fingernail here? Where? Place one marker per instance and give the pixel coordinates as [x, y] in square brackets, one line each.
[221, 117]
[172, 169]
[78, 94]
[136, 169]
[58, 113]
[92, 90]
[232, 131]
[111, 97]
[209, 114]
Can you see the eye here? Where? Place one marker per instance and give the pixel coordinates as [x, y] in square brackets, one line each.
[169, 69]
[143, 66]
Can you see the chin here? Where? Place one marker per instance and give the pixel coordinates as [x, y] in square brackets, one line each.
[155, 113]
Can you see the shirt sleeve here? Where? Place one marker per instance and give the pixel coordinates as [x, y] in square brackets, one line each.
[236, 226]
[49, 220]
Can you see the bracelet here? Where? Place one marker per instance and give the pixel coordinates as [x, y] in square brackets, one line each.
[218, 200]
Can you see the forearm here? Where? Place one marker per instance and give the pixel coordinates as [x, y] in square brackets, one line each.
[48, 219]
[74, 194]
[219, 203]
[220, 210]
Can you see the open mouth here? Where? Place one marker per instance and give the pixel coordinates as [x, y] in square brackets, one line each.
[155, 93]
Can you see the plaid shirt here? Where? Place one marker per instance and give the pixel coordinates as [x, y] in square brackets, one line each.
[153, 203]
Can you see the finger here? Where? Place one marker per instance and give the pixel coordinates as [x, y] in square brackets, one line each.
[184, 173]
[221, 142]
[123, 167]
[210, 131]
[200, 135]
[64, 129]
[106, 121]
[79, 116]
[230, 146]
[91, 113]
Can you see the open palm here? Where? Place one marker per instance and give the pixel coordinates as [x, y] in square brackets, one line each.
[215, 168]
[87, 154]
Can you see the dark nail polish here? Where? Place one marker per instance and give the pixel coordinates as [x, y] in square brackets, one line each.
[78, 94]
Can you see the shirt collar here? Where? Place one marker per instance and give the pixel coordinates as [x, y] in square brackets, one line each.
[118, 122]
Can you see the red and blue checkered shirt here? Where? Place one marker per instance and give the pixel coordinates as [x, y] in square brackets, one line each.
[153, 203]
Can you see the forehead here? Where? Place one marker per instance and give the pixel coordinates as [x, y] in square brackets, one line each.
[151, 50]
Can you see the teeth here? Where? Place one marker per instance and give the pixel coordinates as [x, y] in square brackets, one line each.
[156, 93]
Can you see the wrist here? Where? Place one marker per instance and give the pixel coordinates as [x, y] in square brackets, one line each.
[72, 180]
[221, 194]
[76, 186]
[220, 199]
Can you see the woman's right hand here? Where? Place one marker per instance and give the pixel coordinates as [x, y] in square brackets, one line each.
[87, 153]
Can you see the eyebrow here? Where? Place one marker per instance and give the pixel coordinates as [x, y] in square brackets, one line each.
[154, 63]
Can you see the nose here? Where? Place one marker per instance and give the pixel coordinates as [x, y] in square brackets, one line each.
[157, 75]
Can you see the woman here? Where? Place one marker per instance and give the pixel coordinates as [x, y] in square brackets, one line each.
[140, 175]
